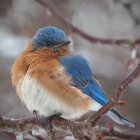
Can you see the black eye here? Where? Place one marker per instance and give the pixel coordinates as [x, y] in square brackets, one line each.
[54, 51]
[49, 44]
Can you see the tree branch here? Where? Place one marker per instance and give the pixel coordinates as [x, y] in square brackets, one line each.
[23, 125]
[9, 126]
[93, 39]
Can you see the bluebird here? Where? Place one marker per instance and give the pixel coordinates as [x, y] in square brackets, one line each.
[48, 78]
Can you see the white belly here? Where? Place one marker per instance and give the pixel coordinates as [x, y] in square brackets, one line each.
[37, 98]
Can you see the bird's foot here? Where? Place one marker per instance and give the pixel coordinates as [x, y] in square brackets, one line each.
[50, 131]
[35, 113]
[54, 116]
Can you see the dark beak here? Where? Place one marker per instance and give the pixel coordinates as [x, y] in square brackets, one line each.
[62, 44]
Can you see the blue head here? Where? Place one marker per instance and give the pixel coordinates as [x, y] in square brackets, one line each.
[50, 37]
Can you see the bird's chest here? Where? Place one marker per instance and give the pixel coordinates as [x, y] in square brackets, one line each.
[37, 98]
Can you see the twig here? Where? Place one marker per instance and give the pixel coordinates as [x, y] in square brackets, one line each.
[116, 96]
[113, 133]
[23, 125]
[133, 59]
[93, 39]
[38, 137]
[10, 134]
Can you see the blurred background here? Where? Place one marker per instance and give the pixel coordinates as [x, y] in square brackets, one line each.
[113, 19]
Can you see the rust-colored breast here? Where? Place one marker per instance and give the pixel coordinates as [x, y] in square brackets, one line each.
[29, 58]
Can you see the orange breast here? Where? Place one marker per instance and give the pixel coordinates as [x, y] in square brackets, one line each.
[29, 58]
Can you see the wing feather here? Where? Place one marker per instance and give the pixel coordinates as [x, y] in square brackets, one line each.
[77, 68]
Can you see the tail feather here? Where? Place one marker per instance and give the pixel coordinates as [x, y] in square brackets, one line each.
[118, 118]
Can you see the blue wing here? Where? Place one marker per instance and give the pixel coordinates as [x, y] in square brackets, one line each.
[77, 68]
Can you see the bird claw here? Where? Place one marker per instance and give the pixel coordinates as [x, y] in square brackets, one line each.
[35, 113]
[50, 131]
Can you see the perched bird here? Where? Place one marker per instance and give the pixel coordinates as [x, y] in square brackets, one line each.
[50, 80]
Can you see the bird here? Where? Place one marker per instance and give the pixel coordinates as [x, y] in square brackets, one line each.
[50, 79]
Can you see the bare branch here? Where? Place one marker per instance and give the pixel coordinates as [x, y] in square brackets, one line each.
[60, 124]
[93, 39]
[23, 125]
